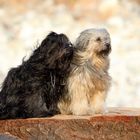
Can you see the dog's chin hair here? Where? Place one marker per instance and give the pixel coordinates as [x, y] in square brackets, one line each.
[100, 62]
[87, 85]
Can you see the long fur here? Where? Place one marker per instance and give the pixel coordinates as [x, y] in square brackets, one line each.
[89, 81]
[34, 88]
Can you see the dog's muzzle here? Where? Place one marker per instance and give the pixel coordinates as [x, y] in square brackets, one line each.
[106, 50]
[108, 46]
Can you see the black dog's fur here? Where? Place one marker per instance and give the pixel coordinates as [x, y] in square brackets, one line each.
[34, 88]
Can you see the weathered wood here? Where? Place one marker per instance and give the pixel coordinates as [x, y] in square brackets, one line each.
[118, 124]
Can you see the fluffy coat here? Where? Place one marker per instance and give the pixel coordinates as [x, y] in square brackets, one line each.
[34, 88]
[89, 81]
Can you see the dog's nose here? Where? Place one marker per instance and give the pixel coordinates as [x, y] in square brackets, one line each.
[108, 45]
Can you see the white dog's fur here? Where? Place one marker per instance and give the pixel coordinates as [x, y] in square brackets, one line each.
[89, 81]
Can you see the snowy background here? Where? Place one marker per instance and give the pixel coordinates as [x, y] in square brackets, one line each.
[24, 23]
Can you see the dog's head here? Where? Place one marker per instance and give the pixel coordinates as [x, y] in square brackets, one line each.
[58, 51]
[94, 42]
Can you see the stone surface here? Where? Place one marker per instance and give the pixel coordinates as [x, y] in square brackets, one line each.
[28, 22]
[117, 124]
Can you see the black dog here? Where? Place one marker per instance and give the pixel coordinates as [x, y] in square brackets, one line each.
[34, 88]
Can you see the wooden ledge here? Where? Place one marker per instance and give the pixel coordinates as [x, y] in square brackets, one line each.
[117, 124]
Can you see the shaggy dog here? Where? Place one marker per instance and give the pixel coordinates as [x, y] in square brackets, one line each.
[89, 81]
[34, 88]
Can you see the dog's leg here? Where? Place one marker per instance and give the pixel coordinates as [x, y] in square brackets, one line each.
[80, 107]
[97, 103]
[79, 100]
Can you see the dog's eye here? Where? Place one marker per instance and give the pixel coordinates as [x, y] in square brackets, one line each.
[98, 39]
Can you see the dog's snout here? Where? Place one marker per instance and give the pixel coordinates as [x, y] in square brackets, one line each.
[108, 45]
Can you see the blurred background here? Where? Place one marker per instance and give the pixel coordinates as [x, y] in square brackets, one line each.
[24, 23]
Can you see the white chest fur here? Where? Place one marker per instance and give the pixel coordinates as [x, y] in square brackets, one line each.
[87, 90]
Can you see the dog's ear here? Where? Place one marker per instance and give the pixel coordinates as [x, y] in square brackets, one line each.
[42, 53]
[47, 46]
[81, 43]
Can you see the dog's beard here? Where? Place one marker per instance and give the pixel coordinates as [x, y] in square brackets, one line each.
[106, 51]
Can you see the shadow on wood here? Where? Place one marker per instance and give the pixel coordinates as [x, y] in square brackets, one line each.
[117, 124]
